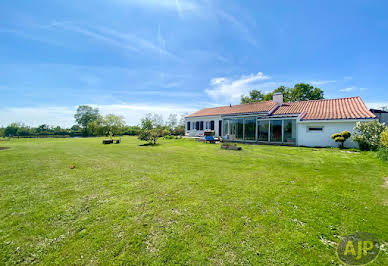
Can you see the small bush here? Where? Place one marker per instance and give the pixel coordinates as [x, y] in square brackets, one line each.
[384, 138]
[335, 135]
[367, 135]
[341, 137]
[152, 135]
[382, 153]
[346, 134]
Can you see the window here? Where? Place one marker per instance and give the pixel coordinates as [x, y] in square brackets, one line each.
[207, 125]
[197, 125]
[201, 125]
[314, 129]
[289, 131]
[262, 130]
[212, 125]
[276, 130]
[234, 128]
[250, 129]
[188, 125]
[226, 128]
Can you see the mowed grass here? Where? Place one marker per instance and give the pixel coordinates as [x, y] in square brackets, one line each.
[183, 202]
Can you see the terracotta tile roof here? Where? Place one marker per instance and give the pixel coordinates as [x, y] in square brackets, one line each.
[236, 109]
[343, 108]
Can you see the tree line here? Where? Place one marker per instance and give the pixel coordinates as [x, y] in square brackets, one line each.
[300, 92]
[89, 122]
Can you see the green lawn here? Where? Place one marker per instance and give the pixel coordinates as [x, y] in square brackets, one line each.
[184, 202]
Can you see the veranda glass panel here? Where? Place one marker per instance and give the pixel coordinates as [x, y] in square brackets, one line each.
[232, 129]
[226, 132]
[262, 130]
[276, 130]
[250, 129]
[239, 129]
[289, 131]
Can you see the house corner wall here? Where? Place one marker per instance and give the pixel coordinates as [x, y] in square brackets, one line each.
[322, 138]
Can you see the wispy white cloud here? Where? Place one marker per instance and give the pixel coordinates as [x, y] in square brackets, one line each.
[376, 105]
[348, 78]
[349, 89]
[30, 36]
[226, 89]
[123, 40]
[35, 116]
[64, 116]
[180, 6]
[239, 25]
[321, 82]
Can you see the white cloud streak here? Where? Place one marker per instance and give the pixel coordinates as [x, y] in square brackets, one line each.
[321, 82]
[64, 116]
[225, 89]
[123, 40]
[242, 28]
[376, 105]
[347, 89]
[180, 6]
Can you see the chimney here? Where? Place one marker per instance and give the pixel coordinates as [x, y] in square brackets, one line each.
[278, 97]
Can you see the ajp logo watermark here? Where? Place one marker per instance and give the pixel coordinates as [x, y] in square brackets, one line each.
[358, 248]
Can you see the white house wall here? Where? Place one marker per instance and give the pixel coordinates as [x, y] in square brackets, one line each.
[193, 132]
[304, 137]
[322, 138]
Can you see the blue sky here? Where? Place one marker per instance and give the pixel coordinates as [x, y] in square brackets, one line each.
[132, 57]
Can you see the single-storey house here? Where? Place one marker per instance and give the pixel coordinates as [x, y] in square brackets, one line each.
[303, 123]
[381, 115]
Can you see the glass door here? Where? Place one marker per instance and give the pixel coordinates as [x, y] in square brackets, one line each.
[262, 130]
[276, 130]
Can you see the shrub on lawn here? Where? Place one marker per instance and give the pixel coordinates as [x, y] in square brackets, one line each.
[384, 138]
[382, 153]
[341, 137]
[152, 135]
[169, 137]
[179, 131]
[367, 135]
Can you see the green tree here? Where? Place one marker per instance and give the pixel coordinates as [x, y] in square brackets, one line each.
[42, 128]
[146, 122]
[300, 92]
[152, 128]
[151, 136]
[75, 128]
[172, 121]
[132, 130]
[11, 130]
[282, 89]
[95, 128]
[254, 96]
[86, 114]
[113, 124]
[304, 92]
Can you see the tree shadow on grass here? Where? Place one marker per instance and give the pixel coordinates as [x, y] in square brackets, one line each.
[4, 148]
[149, 144]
